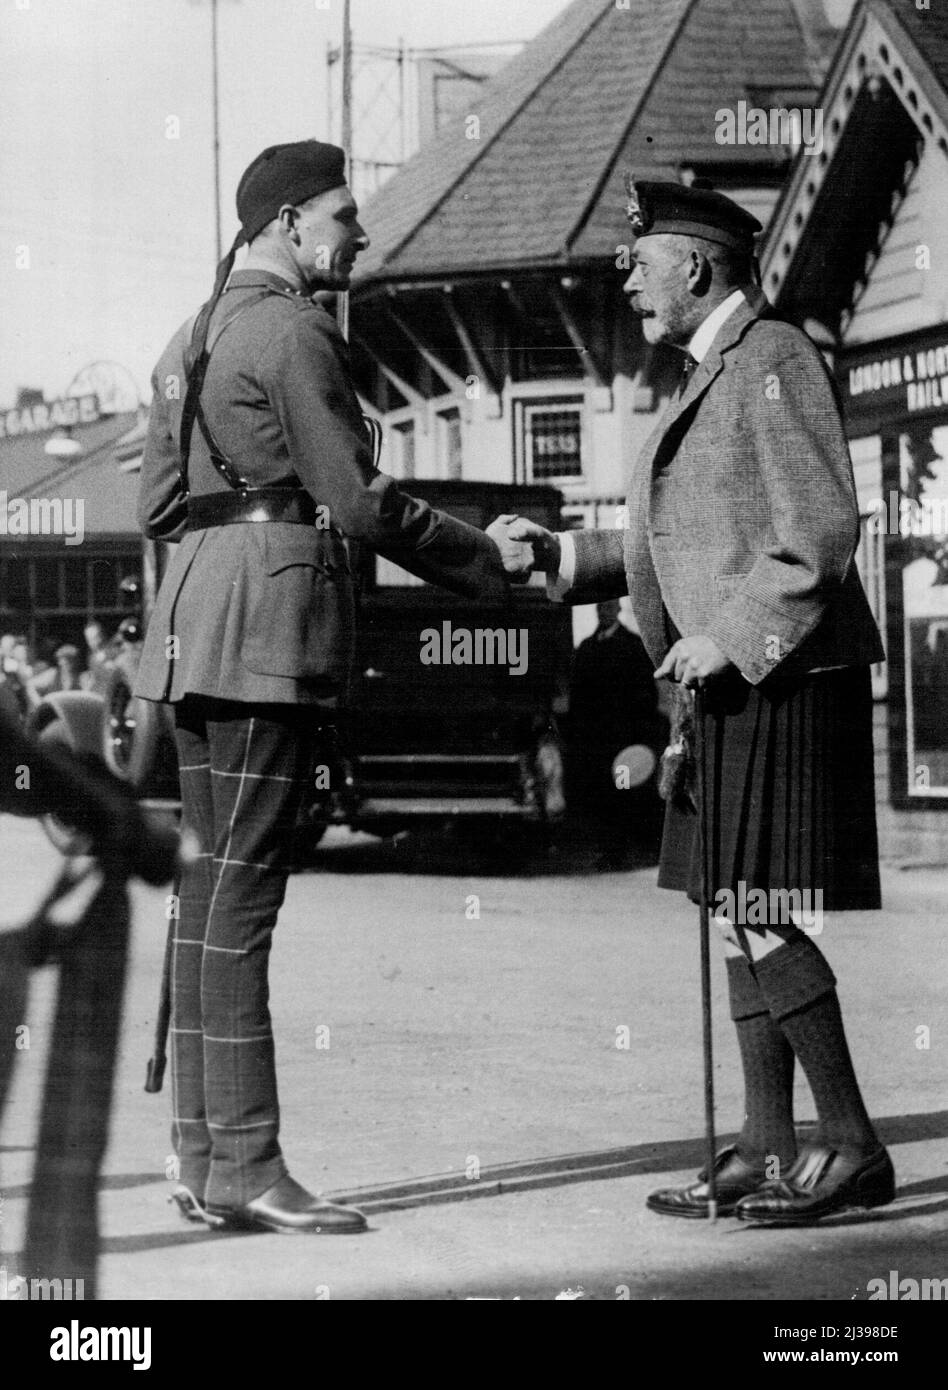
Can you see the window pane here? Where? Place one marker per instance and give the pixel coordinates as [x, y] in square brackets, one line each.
[74, 583]
[16, 584]
[46, 581]
[451, 443]
[405, 438]
[923, 526]
[105, 580]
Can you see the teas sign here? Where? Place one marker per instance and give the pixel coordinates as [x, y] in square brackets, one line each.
[49, 415]
[554, 441]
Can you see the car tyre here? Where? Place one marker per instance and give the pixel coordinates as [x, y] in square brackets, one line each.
[131, 732]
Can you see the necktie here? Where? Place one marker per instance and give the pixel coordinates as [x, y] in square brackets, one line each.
[687, 369]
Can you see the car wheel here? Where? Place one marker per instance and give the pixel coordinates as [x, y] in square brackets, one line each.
[130, 732]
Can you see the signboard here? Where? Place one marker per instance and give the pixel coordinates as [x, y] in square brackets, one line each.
[49, 415]
[908, 376]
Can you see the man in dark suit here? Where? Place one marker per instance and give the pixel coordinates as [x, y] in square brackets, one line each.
[739, 563]
[252, 640]
[613, 711]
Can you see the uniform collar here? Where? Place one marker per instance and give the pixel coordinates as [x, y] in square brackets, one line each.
[245, 279]
[707, 331]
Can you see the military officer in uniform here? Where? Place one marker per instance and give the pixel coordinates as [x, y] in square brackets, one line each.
[739, 563]
[259, 464]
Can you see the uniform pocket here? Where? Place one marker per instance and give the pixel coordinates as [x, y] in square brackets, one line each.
[301, 620]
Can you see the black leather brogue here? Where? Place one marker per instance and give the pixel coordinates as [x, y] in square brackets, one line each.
[735, 1178]
[822, 1181]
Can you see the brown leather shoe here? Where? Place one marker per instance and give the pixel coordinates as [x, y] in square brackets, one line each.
[821, 1182]
[735, 1179]
[288, 1208]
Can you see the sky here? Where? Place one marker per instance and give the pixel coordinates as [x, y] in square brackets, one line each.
[106, 171]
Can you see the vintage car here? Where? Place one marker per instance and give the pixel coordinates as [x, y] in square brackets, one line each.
[452, 710]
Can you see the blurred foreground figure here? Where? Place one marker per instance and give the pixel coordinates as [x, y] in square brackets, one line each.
[82, 927]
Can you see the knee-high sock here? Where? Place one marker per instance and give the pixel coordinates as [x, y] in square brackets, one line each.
[767, 1061]
[799, 987]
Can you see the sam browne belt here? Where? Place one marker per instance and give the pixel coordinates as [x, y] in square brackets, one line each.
[287, 504]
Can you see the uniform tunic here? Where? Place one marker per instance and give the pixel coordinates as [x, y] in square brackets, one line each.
[265, 612]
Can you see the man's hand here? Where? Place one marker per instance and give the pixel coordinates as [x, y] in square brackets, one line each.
[524, 546]
[693, 661]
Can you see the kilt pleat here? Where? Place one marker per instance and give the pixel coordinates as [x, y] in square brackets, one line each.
[791, 793]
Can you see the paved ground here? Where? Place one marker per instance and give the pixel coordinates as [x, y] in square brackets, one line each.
[473, 1019]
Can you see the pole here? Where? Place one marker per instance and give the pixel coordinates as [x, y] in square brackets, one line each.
[330, 64]
[217, 136]
[342, 310]
[705, 935]
[402, 107]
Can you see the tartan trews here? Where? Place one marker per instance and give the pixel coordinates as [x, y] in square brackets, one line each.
[243, 770]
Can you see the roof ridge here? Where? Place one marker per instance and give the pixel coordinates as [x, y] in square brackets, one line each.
[602, 8]
[592, 200]
[885, 11]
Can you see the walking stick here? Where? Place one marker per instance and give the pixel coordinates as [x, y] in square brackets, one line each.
[155, 1071]
[705, 934]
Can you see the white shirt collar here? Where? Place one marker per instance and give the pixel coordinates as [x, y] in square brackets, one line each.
[707, 332]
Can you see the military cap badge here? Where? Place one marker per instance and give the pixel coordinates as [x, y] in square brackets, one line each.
[633, 209]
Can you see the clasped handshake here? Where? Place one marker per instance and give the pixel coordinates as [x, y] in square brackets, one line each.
[525, 547]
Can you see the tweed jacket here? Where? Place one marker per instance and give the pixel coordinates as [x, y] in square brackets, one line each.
[265, 612]
[743, 520]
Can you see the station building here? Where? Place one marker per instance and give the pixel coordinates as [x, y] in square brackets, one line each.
[68, 534]
[490, 334]
[856, 253]
[491, 340]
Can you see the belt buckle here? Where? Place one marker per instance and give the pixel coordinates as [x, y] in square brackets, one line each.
[258, 511]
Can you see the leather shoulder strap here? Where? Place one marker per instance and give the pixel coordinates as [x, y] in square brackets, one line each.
[191, 411]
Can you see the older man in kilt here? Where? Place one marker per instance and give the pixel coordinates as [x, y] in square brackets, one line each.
[739, 563]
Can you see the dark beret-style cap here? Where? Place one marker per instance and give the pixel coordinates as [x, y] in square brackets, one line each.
[286, 174]
[658, 208]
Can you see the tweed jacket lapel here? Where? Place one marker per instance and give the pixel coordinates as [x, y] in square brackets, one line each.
[640, 572]
[728, 336]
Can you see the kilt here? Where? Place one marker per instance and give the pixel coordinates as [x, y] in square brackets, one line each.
[790, 792]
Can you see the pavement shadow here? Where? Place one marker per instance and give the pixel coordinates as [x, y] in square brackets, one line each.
[108, 1182]
[901, 1207]
[639, 1160]
[913, 1129]
[499, 849]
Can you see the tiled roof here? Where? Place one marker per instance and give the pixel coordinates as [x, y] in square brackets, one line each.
[600, 90]
[109, 496]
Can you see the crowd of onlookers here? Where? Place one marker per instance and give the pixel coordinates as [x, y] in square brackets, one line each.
[29, 672]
